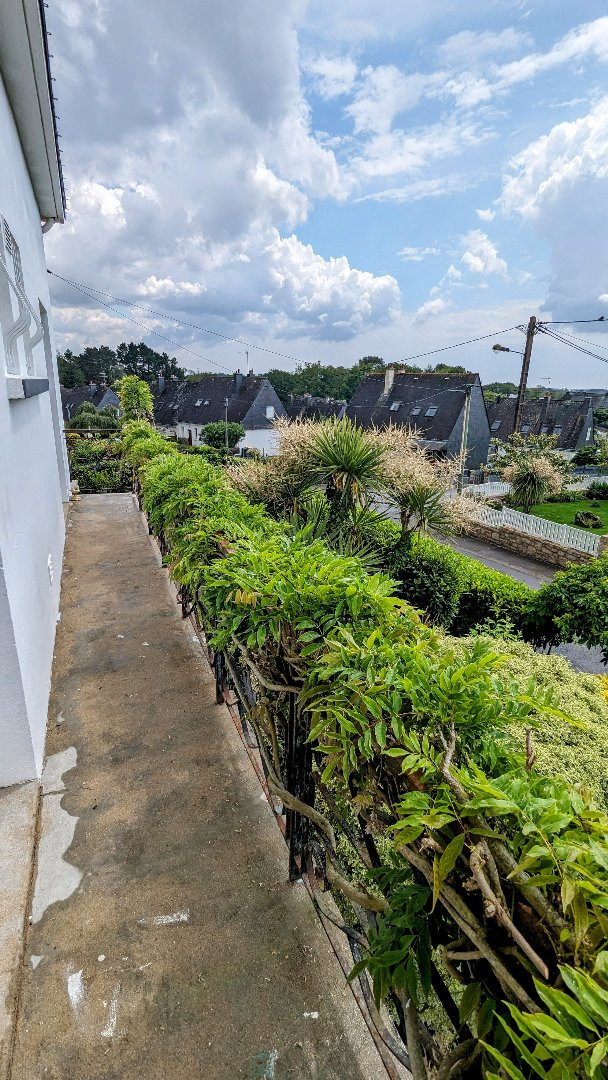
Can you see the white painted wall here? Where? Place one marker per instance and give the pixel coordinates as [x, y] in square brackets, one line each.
[262, 439]
[34, 481]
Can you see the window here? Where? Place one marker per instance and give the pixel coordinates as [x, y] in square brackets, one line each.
[270, 412]
[416, 411]
[496, 424]
[395, 406]
[525, 429]
[198, 403]
[432, 409]
[544, 429]
[557, 430]
[588, 435]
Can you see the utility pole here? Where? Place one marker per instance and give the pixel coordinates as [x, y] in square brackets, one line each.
[226, 421]
[525, 367]
[465, 436]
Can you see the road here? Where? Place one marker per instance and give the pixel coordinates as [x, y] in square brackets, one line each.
[533, 574]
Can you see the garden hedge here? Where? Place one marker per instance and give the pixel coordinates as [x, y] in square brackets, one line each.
[483, 887]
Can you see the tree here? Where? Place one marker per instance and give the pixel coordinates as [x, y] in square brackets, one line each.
[587, 455]
[135, 398]
[146, 363]
[347, 460]
[217, 433]
[88, 418]
[532, 468]
[70, 372]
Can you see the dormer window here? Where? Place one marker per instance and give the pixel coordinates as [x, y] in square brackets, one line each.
[525, 429]
[432, 409]
[557, 430]
[396, 405]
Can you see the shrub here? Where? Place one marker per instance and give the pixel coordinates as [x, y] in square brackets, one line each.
[571, 607]
[597, 490]
[577, 752]
[563, 496]
[97, 467]
[430, 577]
[587, 520]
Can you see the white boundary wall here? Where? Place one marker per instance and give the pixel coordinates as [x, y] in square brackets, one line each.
[566, 535]
[34, 482]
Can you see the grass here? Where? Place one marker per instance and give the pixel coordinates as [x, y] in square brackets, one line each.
[564, 512]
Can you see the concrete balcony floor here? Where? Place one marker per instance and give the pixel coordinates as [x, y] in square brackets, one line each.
[162, 939]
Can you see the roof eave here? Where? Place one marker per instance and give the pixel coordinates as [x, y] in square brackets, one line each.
[25, 72]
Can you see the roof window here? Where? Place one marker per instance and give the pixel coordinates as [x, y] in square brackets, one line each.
[395, 406]
[496, 424]
[416, 411]
[197, 403]
[524, 429]
[557, 430]
[432, 409]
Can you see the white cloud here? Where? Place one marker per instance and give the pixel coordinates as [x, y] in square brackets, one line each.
[195, 166]
[480, 255]
[558, 185]
[384, 93]
[334, 75]
[486, 215]
[414, 254]
[470, 48]
[399, 152]
[429, 309]
[432, 188]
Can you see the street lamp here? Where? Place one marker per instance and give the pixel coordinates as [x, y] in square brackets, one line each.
[503, 348]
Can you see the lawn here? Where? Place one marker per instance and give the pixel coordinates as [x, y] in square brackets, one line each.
[564, 512]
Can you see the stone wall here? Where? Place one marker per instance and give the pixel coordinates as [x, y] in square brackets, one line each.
[532, 547]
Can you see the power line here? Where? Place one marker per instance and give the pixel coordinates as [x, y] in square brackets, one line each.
[88, 290]
[572, 344]
[173, 318]
[459, 344]
[163, 337]
[572, 322]
[594, 344]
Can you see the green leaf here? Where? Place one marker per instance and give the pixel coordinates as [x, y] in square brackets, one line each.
[508, 1066]
[598, 1054]
[469, 1001]
[526, 1054]
[563, 1006]
[551, 1031]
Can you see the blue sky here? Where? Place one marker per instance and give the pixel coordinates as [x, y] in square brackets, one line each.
[332, 181]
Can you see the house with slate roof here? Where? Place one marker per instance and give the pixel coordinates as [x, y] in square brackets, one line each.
[431, 403]
[308, 407]
[182, 409]
[100, 395]
[571, 421]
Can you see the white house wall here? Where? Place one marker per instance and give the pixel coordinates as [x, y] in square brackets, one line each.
[34, 481]
[262, 439]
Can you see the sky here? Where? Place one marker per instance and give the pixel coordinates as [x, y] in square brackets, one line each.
[334, 180]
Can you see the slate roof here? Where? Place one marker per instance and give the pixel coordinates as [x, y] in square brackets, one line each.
[541, 417]
[307, 407]
[369, 406]
[72, 399]
[202, 402]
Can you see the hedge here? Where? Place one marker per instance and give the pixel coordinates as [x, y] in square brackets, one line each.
[495, 887]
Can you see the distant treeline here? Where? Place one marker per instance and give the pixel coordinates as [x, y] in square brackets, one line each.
[100, 363]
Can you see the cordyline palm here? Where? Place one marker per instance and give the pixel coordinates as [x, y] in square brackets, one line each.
[346, 461]
[422, 510]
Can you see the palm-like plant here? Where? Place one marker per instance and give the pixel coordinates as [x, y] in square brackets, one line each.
[347, 461]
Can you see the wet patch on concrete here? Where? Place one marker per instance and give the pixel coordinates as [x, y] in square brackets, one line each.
[56, 879]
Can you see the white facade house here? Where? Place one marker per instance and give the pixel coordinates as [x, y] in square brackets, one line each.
[34, 477]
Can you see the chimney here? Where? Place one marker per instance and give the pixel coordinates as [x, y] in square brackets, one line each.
[389, 378]
[161, 384]
[92, 388]
[102, 380]
[238, 380]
